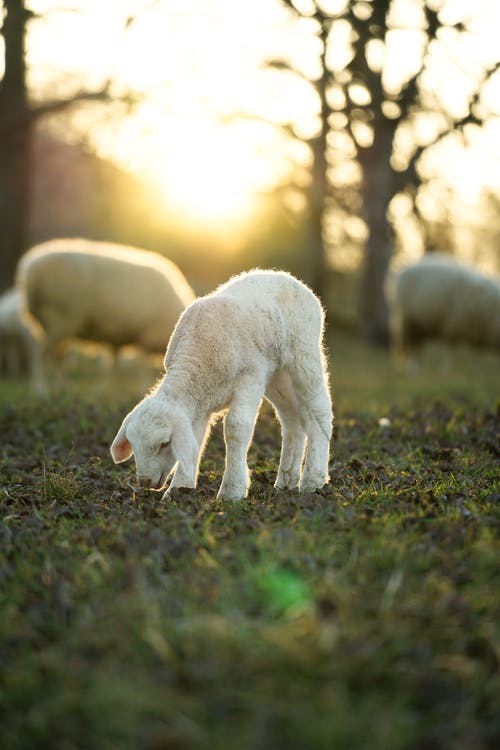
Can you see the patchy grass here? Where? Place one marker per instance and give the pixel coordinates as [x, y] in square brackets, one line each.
[363, 616]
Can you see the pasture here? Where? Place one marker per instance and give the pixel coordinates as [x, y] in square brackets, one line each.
[363, 616]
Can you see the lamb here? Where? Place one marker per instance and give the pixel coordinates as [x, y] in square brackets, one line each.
[258, 335]
[101, 292]
[19, 342]
[442, 298]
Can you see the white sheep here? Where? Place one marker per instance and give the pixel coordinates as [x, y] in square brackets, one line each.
[442, 298]
[101, 292]
[260, 334]
[19, 342]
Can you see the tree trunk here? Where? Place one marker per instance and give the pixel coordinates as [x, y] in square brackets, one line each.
[317, 200]
[318, 190]
[378, 190]
[15, 143]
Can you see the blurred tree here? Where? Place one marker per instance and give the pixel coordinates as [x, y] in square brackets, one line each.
[15, 135]
[18, 116]
[356, 103]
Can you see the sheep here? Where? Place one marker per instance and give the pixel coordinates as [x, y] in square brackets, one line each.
[442, 298]
[258, 335]
[101, 292]
[19, 342]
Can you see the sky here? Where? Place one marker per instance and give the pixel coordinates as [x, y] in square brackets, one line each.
[199, 68]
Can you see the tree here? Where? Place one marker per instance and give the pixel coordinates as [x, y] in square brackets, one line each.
[15, 136]
[18, 117]
[373, 115]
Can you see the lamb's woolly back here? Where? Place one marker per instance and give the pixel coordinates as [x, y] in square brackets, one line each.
[260, 286]
[259, 282]
[264, 311]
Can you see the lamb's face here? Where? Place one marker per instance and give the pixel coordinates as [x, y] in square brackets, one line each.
[152, 448]
[147, 433]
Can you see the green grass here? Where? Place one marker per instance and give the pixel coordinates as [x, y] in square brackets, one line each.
[363, 616]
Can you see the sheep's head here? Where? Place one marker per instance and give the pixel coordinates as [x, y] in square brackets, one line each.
[160, 437]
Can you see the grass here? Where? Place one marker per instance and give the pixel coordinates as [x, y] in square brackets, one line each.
[363, 616]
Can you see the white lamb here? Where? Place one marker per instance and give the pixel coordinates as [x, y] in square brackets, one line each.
[258, 335]
[19, 342]
[102, 292]
[441, 298]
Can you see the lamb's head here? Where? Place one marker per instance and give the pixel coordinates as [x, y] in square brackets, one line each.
[160, 436]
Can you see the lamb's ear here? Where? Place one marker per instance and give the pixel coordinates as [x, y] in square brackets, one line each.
[186, 451]
[120, 447]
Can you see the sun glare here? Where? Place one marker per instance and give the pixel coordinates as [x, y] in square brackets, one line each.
[209, 179]
[209, 176]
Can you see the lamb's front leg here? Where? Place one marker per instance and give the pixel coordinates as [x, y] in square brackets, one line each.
[239, 425]
[188, 444]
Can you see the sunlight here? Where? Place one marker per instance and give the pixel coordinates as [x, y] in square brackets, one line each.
[209, 175]
[208, 178]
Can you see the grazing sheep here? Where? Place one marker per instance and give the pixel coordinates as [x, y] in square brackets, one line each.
[441, 298]
[102, 292]
[19, 342]
[258, 335]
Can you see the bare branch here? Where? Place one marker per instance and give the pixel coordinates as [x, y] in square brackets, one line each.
[59, 105]
[34, 113]
[290, 4]
[286, 127]
[284, 66]
[132, 17]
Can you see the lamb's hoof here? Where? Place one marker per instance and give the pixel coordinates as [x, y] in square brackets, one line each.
[285, 486]
[177, 493]
[231, 496]
[310, 486]
[282, 490]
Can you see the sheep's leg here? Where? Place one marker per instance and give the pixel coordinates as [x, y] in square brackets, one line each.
[239, 425]
[37, 365]
[181, 479]
[318, 423]
[316, 413]
[281, 394]
[186, 471]
[48, 376]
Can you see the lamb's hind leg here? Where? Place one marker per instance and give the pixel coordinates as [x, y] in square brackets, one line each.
[281, 394]
[316, 412]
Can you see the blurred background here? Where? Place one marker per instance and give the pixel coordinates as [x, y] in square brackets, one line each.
[332, 138]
